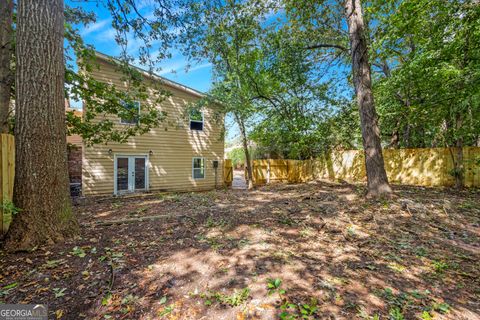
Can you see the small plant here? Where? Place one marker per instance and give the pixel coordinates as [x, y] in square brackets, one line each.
[166, 310]
[441, 307]
[396, 314]
[59, 292]
[233, 300]
[440, 266]
[79, 252]
[9, 208]
[309, 309]
[273, 285]
[6, 289]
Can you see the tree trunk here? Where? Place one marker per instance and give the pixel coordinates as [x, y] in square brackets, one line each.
[248, 162]
[6, 55]
[377, 180]
[41, 188]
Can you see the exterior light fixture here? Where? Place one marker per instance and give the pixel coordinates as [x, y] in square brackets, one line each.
[110, 151]
[150, 153]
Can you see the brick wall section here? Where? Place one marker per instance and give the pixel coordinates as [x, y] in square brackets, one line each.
[75, 164]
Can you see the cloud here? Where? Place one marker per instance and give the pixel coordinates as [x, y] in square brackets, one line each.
[200, 66]
[94, 27]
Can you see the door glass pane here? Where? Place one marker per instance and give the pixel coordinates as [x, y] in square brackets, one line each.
[122, 174]
[198, 168]
[139, 173]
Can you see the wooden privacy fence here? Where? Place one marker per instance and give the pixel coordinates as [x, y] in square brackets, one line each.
[425, 167]
[7, 171]
[227, 172]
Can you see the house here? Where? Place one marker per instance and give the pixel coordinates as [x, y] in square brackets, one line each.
[183, 154]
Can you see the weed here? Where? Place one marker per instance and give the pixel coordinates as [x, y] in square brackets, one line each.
[9, 208]
[235, 299]
[396, 314]
[79, 252]
[59, 292]
[292, 311]
[421, 251]
[273, 285]
[441, 307]
[440, 266]
[6, 289]
[166, 310]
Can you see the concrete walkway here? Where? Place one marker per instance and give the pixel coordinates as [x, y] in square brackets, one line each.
[239, 180]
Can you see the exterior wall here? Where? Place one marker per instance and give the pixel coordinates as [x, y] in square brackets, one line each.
[169, 148]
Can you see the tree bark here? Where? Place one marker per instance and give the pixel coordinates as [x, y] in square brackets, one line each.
[377, 180]
[41, 188]
[248, 161]
[6, 55]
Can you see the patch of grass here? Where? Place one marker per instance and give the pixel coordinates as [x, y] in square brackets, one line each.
[440, 266]
[233, 300]
[396, 314]
[212, 222]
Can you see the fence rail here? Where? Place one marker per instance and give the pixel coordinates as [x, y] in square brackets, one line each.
[425, 167]
[7, 172]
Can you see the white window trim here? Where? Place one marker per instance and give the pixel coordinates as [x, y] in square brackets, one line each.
[204, 168]
[147, 170]
[203, 122]
[138, 119]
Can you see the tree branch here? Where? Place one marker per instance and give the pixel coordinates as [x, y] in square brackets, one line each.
[326, 45]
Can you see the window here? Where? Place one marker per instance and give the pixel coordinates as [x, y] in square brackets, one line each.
[196, 120]
[132, 116]
[198, 169]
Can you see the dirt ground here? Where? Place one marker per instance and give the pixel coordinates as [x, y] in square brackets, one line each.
[317, 251]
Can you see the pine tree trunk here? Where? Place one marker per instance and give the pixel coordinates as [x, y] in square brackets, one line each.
[6, 55]
[377, 180]
[41, 188]
[248, 161]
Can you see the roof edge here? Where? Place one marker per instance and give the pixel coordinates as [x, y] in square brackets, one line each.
[164, 80]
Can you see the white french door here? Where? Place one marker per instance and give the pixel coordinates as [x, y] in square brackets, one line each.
[131, 174]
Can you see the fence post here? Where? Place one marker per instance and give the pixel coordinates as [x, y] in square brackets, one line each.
[7, 172]
[268, 171]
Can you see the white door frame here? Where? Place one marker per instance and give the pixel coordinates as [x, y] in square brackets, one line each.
[131, 157]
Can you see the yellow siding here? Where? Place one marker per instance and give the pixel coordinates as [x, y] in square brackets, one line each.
[173, 145]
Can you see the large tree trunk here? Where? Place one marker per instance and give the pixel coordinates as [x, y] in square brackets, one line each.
[376, 176]
[6, 55]
[248, 161]
[41, 188]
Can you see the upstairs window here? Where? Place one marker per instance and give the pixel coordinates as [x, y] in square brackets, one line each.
[134, 112]
[196, 120]
[198, 168]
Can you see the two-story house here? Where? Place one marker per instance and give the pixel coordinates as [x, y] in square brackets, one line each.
[185, 156]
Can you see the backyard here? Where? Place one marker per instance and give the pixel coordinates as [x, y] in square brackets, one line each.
[318, 250]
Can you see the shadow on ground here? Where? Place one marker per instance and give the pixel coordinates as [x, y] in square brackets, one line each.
[211, 255]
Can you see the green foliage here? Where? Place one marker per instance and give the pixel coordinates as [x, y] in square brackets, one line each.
[78, 251]
[238, 156]
[396, 314]
[427, 58]
[9, 208]
[233, 300]
[273, 286]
